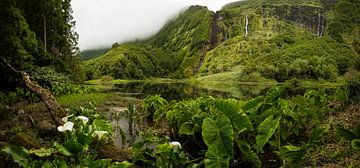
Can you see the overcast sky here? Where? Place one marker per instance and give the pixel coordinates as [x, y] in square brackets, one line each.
[103, 22]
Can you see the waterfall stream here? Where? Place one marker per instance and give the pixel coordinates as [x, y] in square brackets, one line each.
[246, 26]
[320, 25]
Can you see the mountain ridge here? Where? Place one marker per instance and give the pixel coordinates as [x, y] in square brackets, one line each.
[243, 34]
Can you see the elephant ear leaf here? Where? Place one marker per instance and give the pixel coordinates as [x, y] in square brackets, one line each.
[218, 134]
[293, 154]
[274, 93]
[216, 159]
[232, 110]
[252, 103]
[265, 131]
[248, 153]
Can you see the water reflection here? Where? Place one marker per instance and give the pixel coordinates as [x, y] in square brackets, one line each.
[184, 91]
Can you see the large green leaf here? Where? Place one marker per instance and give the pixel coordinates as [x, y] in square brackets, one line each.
[218, 134]
[248, 153]
[232, 110]
[265, 131]
[62, 149]
[216, 159]
[252, 103]
[19, 154]
[274, 93]
[42, 152]
[293, 154]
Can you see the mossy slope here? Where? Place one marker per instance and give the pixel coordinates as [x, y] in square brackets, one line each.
[132, 61]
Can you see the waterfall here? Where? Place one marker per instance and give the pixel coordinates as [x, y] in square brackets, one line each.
[320, 25]
[246, 26]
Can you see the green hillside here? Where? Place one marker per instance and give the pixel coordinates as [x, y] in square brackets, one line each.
[274, 39]
[92, 53]
[132, 61]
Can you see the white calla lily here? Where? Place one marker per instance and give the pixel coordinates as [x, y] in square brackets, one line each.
[175, 144]
[84, 119]
[65, 119]
[68, 126]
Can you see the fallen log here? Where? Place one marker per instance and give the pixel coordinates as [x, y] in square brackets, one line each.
[55, 110]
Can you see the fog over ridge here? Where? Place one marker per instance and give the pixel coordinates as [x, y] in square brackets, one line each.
[101, 23]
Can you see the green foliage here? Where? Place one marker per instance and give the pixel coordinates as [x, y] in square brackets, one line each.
[266, 130]
[249, 154]
[231, 109]
[164, 155]
[154, 106]
[18, 154]
[294, 154]
[132, 61]
[77, 149]
[216, 159]
[224, 122]
[107, 80]
[92, 53]
[351, 135]
[218, 134]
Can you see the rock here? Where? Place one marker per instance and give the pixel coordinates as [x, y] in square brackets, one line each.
[45, 126]
[115, 153]
[26, 141]
[2, 144]
[118, 109]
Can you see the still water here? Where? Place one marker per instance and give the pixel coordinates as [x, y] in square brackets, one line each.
[184, 91]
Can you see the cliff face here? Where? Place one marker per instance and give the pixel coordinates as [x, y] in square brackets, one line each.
[251, 36]
[257, 39]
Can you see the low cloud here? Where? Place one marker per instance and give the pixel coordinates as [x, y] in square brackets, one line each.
[101, 23]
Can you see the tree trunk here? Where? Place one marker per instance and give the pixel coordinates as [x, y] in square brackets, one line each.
[55, 110]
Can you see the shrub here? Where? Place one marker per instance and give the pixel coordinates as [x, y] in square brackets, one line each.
[107, 80]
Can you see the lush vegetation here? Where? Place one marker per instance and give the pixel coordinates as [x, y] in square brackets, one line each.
[311, 40]
[38, 34]
[178, 47]
[134, 62]
[92, 53]
[286, 44]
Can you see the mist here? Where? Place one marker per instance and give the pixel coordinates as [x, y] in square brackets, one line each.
[100, 23]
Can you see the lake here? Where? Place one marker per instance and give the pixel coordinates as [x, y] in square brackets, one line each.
[186, 90]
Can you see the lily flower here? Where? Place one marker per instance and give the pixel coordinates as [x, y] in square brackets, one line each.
[65, 119]
[68, 126]
[84, 119]
[175, 144]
